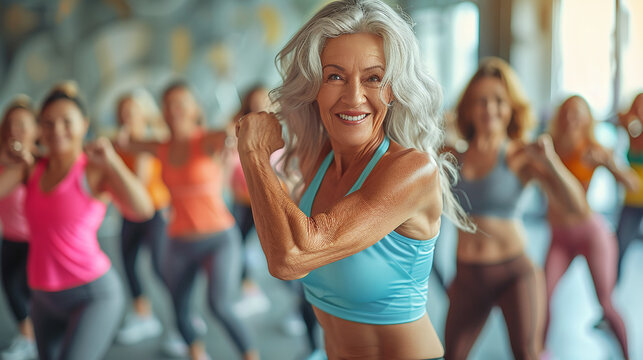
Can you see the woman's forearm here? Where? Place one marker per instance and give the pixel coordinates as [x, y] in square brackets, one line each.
[137, 147]
[624, 175]
[565, 188]
[130, 194]
[282, 228]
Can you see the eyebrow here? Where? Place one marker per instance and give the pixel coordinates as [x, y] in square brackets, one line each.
[365, 69]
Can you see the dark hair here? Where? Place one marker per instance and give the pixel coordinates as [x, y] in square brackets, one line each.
[64, 91]
[177, 84]
[245, 102]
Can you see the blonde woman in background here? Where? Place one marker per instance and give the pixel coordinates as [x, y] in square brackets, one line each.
[493, 269]
[585, 234]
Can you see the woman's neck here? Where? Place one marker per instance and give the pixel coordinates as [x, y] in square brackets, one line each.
[488, 142]
[64, 160]
[349, 157]
[183, 136]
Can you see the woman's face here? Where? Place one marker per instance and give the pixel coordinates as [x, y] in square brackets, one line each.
[574, 118]
[22, 126]
[490, 108]
[349, 100]
[63, 127]
[180, 111]
[131, 115]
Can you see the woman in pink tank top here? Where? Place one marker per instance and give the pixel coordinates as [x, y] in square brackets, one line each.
[75, 294]
[203, 234]
[18, 125]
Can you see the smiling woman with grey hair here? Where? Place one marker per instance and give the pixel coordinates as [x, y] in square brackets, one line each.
[363, 129]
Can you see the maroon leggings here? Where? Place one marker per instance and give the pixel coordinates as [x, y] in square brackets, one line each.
[516, 286]
[593, 240]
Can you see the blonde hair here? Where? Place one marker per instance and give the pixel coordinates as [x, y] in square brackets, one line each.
[414, 119]
[522, 118]
[150, 111]
[554, 127]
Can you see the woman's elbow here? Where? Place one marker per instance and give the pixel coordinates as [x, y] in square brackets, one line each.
[143, 211]
[147, 212]
[282, 270]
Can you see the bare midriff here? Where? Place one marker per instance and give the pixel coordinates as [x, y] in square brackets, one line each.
[496, 240]
[351, 340]
[560, 218]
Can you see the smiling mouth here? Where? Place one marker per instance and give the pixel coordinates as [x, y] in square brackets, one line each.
[350, 118]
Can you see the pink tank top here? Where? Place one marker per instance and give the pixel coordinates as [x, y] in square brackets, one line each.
[64, 251]
[12, 215]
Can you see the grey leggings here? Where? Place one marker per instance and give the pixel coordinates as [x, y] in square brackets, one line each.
[219, 256]
[78, 323]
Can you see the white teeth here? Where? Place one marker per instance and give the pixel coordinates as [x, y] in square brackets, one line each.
[352, 118]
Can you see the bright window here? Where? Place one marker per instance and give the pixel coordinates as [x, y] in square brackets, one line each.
[632, 50]
[584, 54]
[448, 37]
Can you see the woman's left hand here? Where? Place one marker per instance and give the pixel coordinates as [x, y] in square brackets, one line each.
[101, 153]
[260, 131]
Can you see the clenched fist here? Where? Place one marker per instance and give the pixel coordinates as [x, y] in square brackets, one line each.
[259, 131]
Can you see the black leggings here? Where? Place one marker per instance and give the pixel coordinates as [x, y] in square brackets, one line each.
[243, 216]
[630, 228]
[150, 233]
[219, 257]
[78, 323]
[14, 277]
[514, 285]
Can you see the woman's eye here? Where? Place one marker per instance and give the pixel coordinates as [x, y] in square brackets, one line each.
[374, 78]
[334, 77]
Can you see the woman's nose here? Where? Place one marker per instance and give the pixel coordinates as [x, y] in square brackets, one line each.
[353, 92]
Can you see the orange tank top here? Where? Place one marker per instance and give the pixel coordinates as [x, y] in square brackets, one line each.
[580, 169]
[155, 186]
[196, 205]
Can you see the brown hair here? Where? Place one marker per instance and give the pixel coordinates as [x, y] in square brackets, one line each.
[522, 118]
[19, 102]
[182, 84]
[246, 101]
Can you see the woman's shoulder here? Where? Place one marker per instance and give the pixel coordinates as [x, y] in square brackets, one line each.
[410, 162]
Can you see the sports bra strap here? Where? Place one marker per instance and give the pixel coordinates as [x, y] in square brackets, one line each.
[307, 199]
[381, 150]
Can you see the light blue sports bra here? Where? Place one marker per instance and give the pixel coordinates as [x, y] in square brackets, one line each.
[386, 283]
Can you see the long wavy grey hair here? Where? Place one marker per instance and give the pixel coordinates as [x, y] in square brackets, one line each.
[414, 119]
